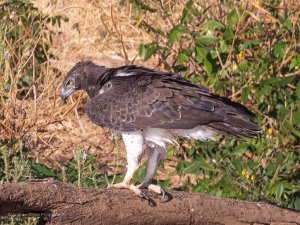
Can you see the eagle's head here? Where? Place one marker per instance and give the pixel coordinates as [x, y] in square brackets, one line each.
[81, 77]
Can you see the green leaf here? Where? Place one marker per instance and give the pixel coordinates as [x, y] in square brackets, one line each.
[43, 170]
[228, 34]
[279, 190]
[193, 168]
[175, 33]
[296, 133]
[211, 25]
[150, 51]
[297, 203]
[286, 80]
[296, 118]
[232, 18]
[240, 149]
[298, 91]
[152, 29]
[186, 14]
[249, 44]
[223, 47]
[180, 167]
[141, 5]
[245, 93]
[213, 54]
[279, 50]
[295, 63]
[200, 54]
[208, 66]
[287, 23]
[244, 66]
[201, 186]
[238, 165]
[183, 58]
[142, 49]
[206, 40]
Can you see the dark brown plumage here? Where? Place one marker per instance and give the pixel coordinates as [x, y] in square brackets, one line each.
[130, 98]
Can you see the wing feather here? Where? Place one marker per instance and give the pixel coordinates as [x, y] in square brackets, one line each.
[154, 100]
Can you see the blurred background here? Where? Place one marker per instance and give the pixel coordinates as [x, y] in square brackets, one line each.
[245, 50]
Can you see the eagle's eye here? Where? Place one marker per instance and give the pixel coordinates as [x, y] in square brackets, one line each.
[70, 82]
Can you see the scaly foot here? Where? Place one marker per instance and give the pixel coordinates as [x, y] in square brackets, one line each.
[157, 189]
[136, 190]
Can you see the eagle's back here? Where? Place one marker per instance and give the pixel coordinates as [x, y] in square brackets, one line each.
[138, 101]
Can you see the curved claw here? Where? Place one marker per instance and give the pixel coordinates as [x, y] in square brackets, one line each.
[148, 198]
[166, 197]
[145, 196]
[163, 195]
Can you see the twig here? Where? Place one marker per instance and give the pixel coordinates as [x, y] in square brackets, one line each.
[119, 34]
[34, 89]
[77, 116]
[73, 106]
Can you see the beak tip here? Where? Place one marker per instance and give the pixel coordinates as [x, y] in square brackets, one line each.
[65, 93]
[63, 97]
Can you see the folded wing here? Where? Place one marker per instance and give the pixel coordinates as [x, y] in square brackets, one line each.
[127, 103]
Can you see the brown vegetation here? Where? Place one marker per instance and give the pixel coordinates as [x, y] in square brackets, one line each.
[99, 31]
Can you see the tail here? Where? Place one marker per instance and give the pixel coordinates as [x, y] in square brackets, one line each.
[237, 126]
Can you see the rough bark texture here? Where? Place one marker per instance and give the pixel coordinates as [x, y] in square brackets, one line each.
[61, 203]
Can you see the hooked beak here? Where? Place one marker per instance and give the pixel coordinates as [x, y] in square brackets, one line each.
[66, 92]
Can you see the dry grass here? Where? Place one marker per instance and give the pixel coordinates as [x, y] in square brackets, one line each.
[101, 31]
[98, 31]
[50, 128]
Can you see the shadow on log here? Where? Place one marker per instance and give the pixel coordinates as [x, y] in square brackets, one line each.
[61, 203]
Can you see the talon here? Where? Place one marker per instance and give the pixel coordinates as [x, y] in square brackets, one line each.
[145, 196]
[163, 193]
[150, 200]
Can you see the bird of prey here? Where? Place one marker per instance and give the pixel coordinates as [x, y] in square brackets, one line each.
[153, 108]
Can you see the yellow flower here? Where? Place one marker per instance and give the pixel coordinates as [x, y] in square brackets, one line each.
[241, 55]
[244, 172]
[252, 177]
[270, 131]
[257, 3]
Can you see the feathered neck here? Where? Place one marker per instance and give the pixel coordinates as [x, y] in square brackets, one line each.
[93, 78]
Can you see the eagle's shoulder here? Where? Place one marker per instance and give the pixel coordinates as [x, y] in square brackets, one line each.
[140, 76]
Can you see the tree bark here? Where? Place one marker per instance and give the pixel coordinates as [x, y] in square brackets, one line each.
[60, 203]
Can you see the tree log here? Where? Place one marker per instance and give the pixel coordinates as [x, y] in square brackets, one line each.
[60, 203]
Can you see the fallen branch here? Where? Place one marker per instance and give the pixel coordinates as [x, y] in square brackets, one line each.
[61, 203]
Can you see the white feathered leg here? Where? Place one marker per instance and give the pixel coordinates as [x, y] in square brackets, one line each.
[134, 149]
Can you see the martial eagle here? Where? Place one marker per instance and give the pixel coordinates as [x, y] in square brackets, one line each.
[154, 108]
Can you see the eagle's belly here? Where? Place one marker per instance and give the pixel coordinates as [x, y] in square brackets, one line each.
[164, 137]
